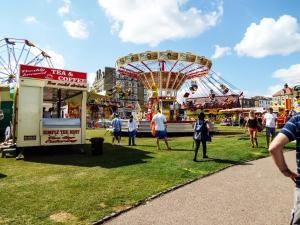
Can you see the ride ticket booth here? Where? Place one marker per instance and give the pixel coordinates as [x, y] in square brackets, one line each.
[49, 107]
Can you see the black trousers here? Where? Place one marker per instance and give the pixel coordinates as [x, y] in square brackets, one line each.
[197, 148]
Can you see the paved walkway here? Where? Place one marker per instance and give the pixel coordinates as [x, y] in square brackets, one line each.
[251, 194]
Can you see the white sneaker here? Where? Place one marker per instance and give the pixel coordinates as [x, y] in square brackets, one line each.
[20, 156]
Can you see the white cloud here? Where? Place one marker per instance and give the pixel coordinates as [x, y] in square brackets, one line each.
[270, 37]
[153, 21]
[76, 29]
[220, 51]
[290, 75]
[273, 89]
[57, 59]
[65, 8]
[30, 20]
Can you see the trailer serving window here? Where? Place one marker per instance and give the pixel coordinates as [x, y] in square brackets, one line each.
[61, 108]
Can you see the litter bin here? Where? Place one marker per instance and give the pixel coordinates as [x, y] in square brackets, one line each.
[97, 146]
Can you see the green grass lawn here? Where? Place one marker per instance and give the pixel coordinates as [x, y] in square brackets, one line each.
[64, 187]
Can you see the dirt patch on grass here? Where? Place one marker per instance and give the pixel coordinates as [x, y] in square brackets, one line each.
[52, 178]
[4, 220]
[64, 217]
[102, 205]
[119, 208]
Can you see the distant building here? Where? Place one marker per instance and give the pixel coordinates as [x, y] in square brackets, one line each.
[283, 99]
[262, 102]
[247, 102]
[105, 83]
[98, 84]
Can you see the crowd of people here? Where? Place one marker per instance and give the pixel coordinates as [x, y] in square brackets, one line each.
[159, 122]
[253, 123]
[159, 125]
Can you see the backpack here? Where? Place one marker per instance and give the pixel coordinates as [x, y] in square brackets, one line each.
[201, 132]
[198, 131]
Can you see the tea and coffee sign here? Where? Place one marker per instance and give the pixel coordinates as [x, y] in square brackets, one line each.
[55, 77]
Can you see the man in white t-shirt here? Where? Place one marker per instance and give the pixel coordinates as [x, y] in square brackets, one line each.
[270, 123]
[160, 128]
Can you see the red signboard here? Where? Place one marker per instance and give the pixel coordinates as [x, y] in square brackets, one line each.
[45, 73]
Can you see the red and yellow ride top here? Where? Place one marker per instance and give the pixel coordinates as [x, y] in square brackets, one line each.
[163, 70]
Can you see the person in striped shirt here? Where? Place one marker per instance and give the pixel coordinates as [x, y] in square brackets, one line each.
[290, 132]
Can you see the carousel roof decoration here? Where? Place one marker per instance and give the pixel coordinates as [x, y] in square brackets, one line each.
[166, 70]
[14, 51]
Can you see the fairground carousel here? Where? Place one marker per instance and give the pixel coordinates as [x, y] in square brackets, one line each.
[179, 83]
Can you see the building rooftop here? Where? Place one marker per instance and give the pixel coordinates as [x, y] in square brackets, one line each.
[286, 90]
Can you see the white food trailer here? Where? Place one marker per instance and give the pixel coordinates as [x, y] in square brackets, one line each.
[49, 107]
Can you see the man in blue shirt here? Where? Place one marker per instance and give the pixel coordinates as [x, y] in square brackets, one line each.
[290, 132]
[117, 129]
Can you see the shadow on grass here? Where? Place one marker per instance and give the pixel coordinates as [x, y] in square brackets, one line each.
[243, 138]
[225, 161]
[112, 157]
[225, 133]
[2, 175]
[181, 150]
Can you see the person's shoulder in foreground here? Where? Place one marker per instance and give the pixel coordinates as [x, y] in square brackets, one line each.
[291, 128]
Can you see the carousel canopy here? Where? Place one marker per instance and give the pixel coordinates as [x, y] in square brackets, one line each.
[166, 70]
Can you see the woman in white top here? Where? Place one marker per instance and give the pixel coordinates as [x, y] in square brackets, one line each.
[131, 131]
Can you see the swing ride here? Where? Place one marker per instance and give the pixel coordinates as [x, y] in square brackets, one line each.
[184, 78]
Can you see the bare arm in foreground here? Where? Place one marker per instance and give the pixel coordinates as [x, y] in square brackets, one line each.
[276, 151]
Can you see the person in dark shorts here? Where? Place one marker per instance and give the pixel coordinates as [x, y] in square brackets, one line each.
[252, 125]
[241, 120]
[117, 129]
[200, 135]
[160, 122]
[132, 128]
[270, 123]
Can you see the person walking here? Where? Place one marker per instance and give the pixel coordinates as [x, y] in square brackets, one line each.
[288, 133]
[160, 123]
[252, 125]
[132, 128]
[200, 136]
[117, 129]
[270, 124]
[241, 120]
[172, 112]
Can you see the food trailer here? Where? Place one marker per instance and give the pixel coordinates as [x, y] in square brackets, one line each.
[49, 107]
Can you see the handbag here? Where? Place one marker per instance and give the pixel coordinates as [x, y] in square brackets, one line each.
[260, 126]
[208, 137]
[197, 136]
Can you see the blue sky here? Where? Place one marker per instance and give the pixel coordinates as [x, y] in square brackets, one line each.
[258, 41]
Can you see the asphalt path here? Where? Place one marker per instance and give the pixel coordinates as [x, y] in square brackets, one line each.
[254, 193]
